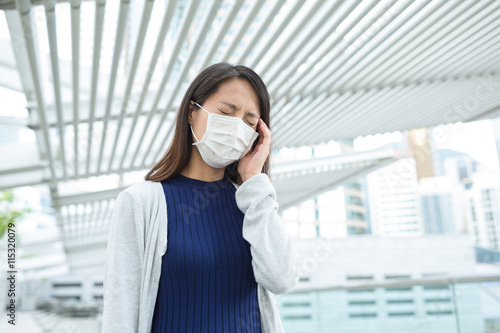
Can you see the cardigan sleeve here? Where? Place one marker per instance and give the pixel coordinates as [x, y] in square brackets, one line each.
[123, 266]
[275, 261]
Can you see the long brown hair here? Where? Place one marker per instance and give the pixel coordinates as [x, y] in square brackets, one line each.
[203, 86]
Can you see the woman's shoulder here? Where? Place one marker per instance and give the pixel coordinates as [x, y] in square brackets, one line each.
[143, 190]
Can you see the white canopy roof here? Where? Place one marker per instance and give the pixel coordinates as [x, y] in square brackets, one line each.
[103, 81]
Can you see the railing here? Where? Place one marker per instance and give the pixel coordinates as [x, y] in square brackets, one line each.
[445, 304]
[462, 304]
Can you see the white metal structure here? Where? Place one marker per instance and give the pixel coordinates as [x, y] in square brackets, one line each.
[103, 81]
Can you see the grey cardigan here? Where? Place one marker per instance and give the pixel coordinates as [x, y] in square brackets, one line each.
[137, 241]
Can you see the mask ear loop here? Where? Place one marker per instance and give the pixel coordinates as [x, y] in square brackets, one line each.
[194, 135]
[192, 126]
[201, 107]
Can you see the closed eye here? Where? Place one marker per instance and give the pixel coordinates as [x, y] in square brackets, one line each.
[226, 113]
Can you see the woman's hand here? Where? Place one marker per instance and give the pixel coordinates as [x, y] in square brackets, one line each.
[252, 163]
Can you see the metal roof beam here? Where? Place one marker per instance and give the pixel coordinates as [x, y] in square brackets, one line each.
[81, 198]
[26, 38]
[285, 84]
[187, 17]
[50, 17]
[120, 33]
[460, 41]
[146, 14]
[260, 32]
[276, 33]
[279, 52]
[186, 65]
[329, 78]
[98, 31]
[404, 49]
[326, 186]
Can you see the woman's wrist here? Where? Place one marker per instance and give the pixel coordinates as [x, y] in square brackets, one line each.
[244, 178]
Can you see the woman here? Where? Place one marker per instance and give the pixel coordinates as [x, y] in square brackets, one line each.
[228, 251]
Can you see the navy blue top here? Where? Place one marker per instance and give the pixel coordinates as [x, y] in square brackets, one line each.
[207, 282]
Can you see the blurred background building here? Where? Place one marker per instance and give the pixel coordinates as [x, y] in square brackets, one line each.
[386, 125]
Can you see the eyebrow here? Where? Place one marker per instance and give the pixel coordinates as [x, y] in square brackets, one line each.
[234, 107]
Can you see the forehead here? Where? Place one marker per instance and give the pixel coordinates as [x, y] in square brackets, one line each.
[236, 94]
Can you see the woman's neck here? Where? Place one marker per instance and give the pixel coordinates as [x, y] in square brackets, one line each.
[197, 168]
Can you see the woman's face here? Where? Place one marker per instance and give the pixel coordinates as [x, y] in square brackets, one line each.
[235, 98]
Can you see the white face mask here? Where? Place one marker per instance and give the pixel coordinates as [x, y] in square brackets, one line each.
[226, 140]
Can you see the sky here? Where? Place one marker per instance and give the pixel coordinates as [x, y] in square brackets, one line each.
[473, 138]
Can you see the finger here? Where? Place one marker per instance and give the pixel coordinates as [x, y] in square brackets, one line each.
[261, 131]
[267, 134]
[261, 139]
[265, 128]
